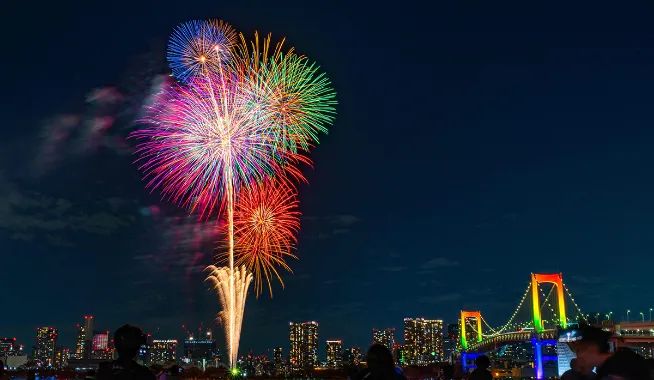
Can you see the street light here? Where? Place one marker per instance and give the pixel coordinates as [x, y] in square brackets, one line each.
[642, 316]
[650, 314]
[628, 311]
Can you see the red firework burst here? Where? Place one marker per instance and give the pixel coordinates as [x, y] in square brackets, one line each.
[266, 222]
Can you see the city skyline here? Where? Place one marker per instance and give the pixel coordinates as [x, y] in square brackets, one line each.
[517, 140]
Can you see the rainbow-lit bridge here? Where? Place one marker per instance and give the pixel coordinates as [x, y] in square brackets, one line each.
[541, 327]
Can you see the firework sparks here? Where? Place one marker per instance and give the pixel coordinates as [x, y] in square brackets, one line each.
[238, 117]
[266, 221]
[220, 278]
[199, 47]
[295, 99]
[192, 140]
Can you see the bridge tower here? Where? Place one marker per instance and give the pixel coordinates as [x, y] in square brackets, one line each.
[462, 329]
[557, 280]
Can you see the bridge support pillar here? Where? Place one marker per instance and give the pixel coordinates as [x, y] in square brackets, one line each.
[538, 358]
[468, 361]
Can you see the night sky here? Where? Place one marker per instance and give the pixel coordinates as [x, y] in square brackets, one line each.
[474, 144]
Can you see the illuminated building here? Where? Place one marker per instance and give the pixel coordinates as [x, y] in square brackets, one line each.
[423, 341]
[200, 352]
[101, 348]
[9, 347]
[46, 341]
[61, 357]
[83, 348]
[352, 357]
[334, 353]
[303, 353]
[163, 351]
[278, 360]
[433, 350]
[101, 341]
[450, 341]
[385, 337]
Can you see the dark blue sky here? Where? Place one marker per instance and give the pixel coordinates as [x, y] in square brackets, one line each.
[474, 144]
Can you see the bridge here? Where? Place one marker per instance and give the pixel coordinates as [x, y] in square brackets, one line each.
[541, 328]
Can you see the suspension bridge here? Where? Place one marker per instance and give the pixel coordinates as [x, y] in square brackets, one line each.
[539, 324]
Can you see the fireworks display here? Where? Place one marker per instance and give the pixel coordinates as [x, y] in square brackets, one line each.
[227, 140]
[222, 281]
[266, 221]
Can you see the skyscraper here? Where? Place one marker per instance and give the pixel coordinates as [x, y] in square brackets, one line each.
[433, 350]
[83, 344]
[46, 342]
[413, 340]
[450, 341]
[278, 360]
[352, 356]
[8, 347]
[334, 353]
[200, 351]
[423, 341]
[102, 350]
[385, 337]
[303, 353]
[163, 351]
[61, 357]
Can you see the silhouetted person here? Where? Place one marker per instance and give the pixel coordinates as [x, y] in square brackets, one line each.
[593, 348]
[380, 365]
[650, 366]
[481, 372]
[447, 372]
[575, 372]
[127, 341]
[3, 374]
[624, 364]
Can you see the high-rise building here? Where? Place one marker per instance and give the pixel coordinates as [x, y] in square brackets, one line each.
[61, 357]
[201, 351]
[101, 341]
[102, 349]
[278, 360]
[46, 342]
[385, 337]
[334, 353]
[83, 344]
[303, 353]
[352, 357]
[413, 341]
[423, 341]
[9, 347]
[450, 341]
[433, 351]
[163, 351]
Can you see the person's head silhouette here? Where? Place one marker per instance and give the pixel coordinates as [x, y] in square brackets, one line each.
[127, 340]
[482, 362]
[380, 361]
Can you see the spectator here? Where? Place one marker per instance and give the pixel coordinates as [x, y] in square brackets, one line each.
[593, 349]
[127, 340]
[3, 374]
[481, 372]
[577, 371]
[380, 365]
[624, 364]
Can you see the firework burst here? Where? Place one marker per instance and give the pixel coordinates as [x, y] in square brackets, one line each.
[237, 124]
[292, 95]
[199, 47]
[194, 138]
[266, 221]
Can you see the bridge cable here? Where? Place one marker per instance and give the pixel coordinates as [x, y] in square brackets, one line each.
[579, 312]
[496, 332]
